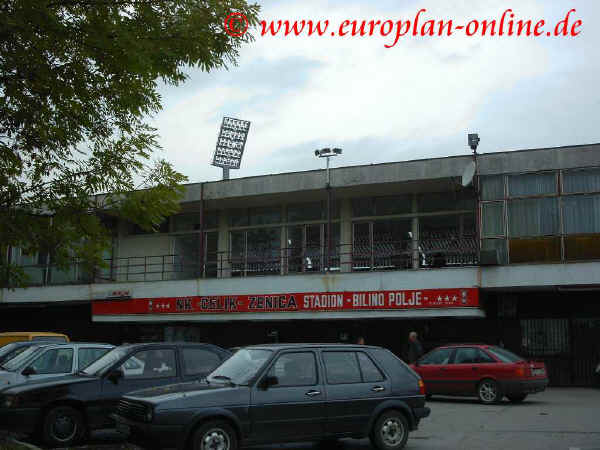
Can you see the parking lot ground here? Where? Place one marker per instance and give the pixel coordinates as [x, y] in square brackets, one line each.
[558, 419]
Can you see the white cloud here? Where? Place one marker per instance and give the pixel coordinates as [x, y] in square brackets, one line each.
[355, 88]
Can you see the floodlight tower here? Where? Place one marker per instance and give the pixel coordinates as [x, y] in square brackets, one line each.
[328, 153]
[230, 144]
[471, 174]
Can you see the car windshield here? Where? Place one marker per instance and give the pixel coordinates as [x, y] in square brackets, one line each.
[22, 358]
[103, 364]
[11, 350]
[504, 355]
[241, 367]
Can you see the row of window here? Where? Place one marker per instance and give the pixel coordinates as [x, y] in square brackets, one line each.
[574, 181]
[300, 369]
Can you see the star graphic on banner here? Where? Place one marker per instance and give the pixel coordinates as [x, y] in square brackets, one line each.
[454, 298]
[439, 299]
[447, 298]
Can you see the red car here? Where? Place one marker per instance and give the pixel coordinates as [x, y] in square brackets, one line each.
[487, 371]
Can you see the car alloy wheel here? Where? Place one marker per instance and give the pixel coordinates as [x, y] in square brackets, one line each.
[63, 426]
[390, 431]
[215, 439]
[215, 435]
[488, 391]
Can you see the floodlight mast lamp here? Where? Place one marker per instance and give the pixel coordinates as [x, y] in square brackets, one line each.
[328, 153]
[473, 140]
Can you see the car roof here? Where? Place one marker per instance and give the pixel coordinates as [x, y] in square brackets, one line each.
[465, 344]
[176, 343]
[280, 346]
[76, 344]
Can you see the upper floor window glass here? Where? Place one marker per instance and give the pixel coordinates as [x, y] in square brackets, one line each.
[191, 221]
[397, 204]
[265, 215]
[533, 217]
[299, 212]
[492, 187]
[581, 180]
[532, 184]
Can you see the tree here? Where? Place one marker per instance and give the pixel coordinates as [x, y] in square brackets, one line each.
[78, 81]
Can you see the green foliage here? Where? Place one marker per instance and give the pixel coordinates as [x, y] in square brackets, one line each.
[78, 80]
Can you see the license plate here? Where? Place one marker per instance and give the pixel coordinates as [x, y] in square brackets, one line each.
[538, 372]
[123, 428]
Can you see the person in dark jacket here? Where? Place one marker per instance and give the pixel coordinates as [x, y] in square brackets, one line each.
[415, 349]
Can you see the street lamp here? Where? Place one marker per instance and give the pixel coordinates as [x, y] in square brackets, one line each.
[328, 153]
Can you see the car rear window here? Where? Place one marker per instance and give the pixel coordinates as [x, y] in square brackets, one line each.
[49, 338]
[504, 355]
[391, 363]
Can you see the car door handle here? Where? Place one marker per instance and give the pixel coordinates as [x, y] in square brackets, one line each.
[313, 393]
[377, 388]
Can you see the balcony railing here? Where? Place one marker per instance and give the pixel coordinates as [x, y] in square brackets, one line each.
[384, 255]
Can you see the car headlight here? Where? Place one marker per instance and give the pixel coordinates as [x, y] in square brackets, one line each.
[9, 401]
[149, 414]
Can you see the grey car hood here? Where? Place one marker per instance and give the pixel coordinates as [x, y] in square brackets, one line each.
[186, 394]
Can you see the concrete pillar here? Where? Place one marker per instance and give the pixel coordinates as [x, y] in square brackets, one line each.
[415, 234]
[223, 266]
[283, 251]
[345, 235]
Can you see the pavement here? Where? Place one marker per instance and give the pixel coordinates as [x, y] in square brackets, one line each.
[557, 419]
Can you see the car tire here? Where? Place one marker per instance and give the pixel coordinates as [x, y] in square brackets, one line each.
[390, 431]
[63, 426]
[516, 398]
[216, 432]
[488, 391]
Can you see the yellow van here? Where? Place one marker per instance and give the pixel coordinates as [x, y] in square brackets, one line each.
[17, 336]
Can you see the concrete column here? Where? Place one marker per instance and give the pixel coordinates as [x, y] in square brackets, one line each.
[415, 233]
[223, 266]
[283, 252]
[345, 235]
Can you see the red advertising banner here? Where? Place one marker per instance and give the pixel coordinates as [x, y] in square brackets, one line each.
[314, 301]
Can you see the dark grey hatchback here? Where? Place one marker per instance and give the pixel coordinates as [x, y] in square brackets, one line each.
[282, 393]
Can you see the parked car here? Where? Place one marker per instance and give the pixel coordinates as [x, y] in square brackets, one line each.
[9, 351]
[282, 393]
[39, 362]
[487, 371]
[65, 409]
[17, 336]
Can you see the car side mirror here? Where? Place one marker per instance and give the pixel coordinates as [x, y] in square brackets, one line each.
[115, 374]
[28, 371]
[269, 381]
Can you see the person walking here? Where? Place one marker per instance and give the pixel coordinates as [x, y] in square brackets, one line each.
[415, 349]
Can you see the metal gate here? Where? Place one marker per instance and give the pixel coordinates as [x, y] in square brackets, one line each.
[570, 347]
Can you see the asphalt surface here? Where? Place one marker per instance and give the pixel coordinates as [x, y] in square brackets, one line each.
[558, 419]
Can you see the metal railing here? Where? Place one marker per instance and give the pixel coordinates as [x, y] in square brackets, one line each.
[381, 255]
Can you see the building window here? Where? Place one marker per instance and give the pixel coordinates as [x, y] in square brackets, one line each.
[492, 218]
[498, 245]
[163, 227]
[447, 240]
[533, 217]
[531, 184]
[300, 212]
[255, 252]
[399, 204]
[542, 249]
[307, 248]
[265, 216]
[191, 221]
[186, 258]
[492, 187]
[581, 214]
[581, 180]
[363, 207]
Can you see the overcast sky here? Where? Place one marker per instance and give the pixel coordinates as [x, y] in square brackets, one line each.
[416, 100]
